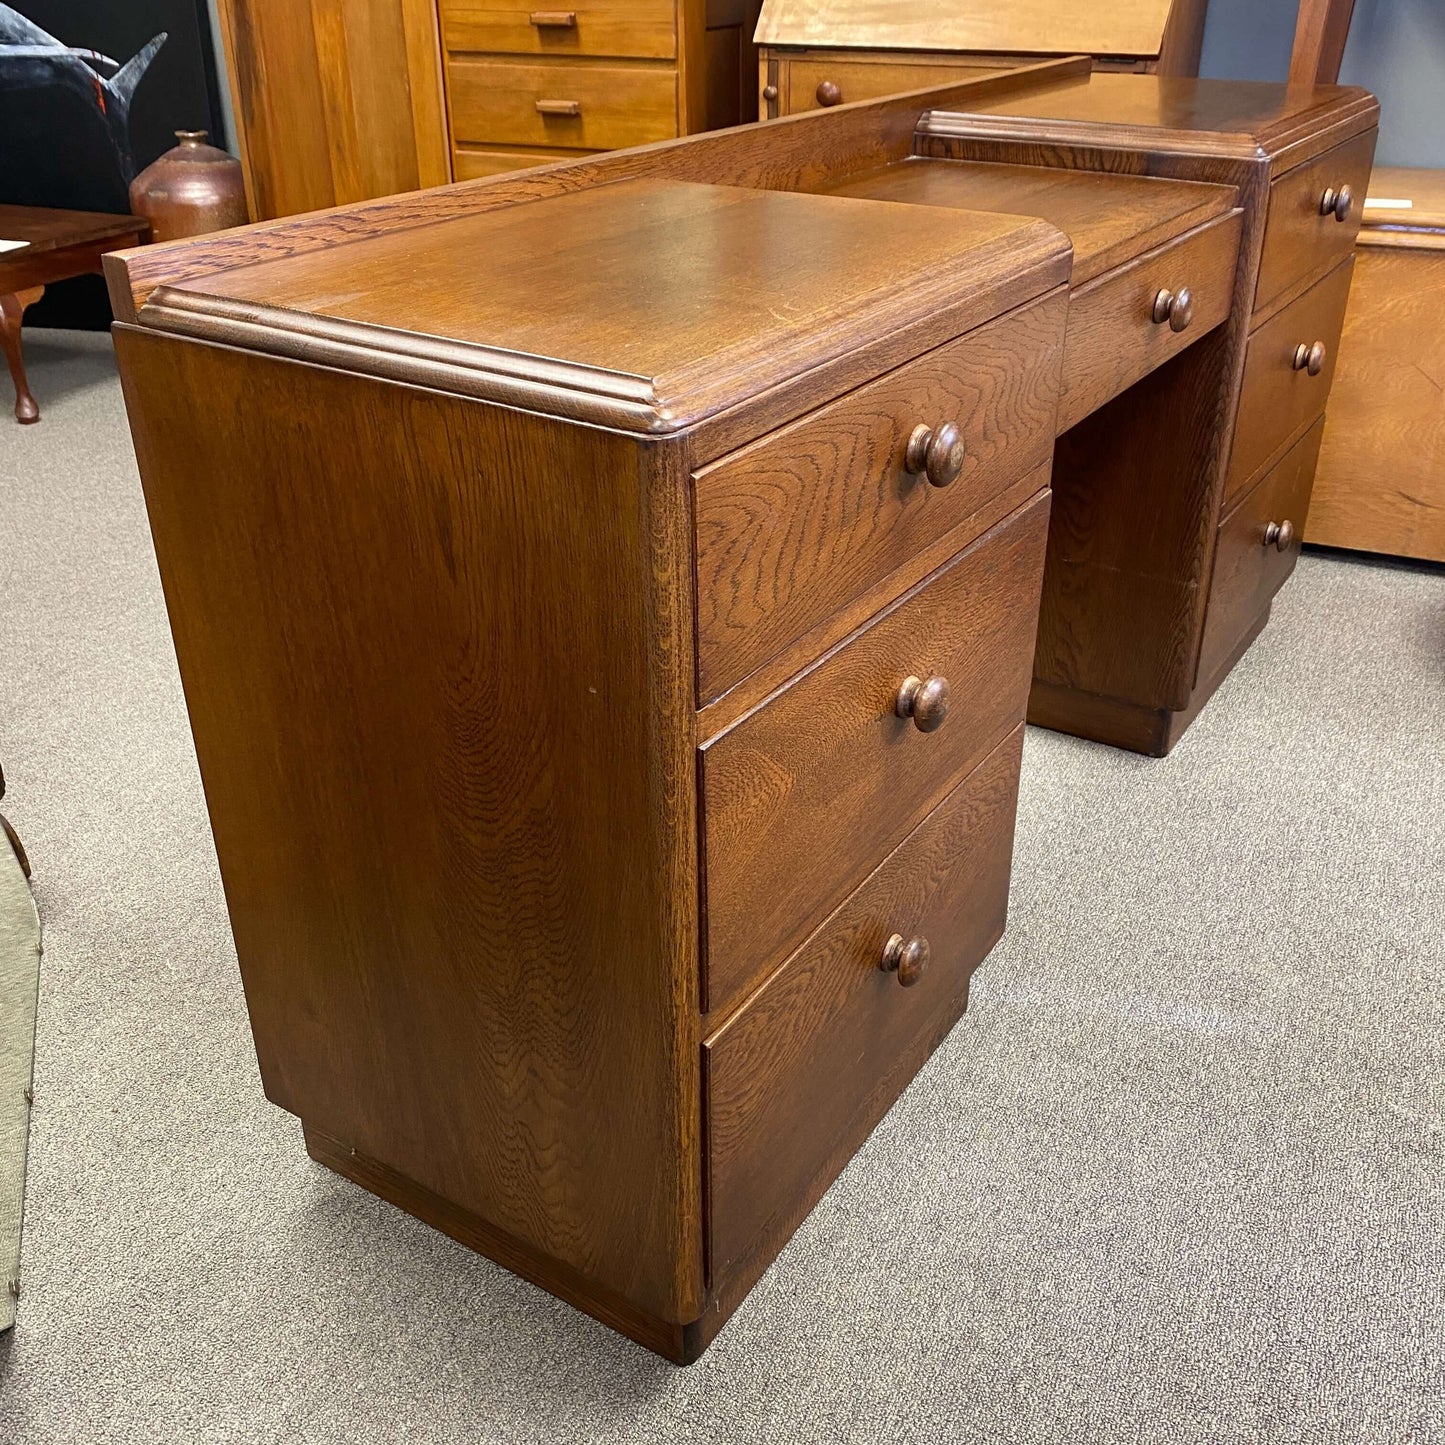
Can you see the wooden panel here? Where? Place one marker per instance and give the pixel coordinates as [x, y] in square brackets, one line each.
[1277, 399]
[829, 758]
[456, 829]
[472, 165]
[1247, 570]
[617, 104]
[1381, 481]
[334, 102]
[638, 28]
[1113, 338]
[1043, 27]
[802, 80]
[731, 60]
[1300, 241]
[797, 1079]
[791, 529]
[1109, 219]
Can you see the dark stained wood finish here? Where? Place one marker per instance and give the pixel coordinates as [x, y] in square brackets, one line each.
[1249, 567]
[830, 751]
[455, 817]
[793, 527]
[1280, 399]
[1114, 339]
[825, 1046]
[1300, 242]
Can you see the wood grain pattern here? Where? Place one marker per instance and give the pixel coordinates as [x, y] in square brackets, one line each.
[1321, 29]
[862, 78]
[1381, 480]
[335, 100]
[830, 752]
[470, 163]
[624, 28]
[1040, 27]
[1113, 340]
[793, 527]
[1277, 399]
[1300, 242]
[1247, 572]
[768, 288]
[816, 1057]
[508, 1015]
[1110, 219]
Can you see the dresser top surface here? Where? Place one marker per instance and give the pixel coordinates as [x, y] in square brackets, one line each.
[1255, 112]
[675, 298]
[1109, 218]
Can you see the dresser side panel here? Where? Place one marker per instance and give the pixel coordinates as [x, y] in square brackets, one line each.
[438, 659]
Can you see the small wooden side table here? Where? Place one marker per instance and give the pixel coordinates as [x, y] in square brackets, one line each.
[56, 246]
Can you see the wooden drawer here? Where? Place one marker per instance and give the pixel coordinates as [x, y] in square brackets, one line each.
[1299, 241]
[472, 165]
[1113, 338]
[796, 1080]
[1279, 398]
[808, 792]
[793, 527]
[496, 102]
[804, 82]
[1249, 566]
[644, 29]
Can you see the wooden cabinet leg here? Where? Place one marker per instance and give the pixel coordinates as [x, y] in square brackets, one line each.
[12, 312]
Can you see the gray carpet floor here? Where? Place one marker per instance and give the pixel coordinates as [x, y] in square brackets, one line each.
[1176, 1177]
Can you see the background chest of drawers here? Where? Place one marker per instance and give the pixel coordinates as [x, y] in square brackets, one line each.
[617, 621]
[813, 55]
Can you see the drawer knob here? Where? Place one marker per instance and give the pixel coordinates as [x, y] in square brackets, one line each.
[1279, 535]
[907, 957]
[1337, 203]
[925, 702]
[829, 93]
[770, 93]
[937, 454]
[1175, 307]
[559, 107]
[1310, 358]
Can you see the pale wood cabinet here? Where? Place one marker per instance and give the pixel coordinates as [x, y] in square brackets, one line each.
[820, 53]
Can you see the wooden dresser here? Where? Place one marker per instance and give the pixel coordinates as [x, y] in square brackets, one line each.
[820, 53]
[607, 598]
[1381, 483]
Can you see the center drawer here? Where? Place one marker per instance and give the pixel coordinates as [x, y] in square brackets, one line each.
[577, 104]
[792, 528]
[806, 794]
[794, 1082]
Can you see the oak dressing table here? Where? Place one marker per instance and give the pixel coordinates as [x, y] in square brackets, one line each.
[607, 600]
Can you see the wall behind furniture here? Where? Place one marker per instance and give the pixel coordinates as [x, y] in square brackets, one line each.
[1396, 49]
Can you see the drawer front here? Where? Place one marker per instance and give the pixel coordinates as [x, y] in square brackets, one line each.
[817, 84]
[473, 165]
[644, 29]
[797, 1079]
[1299, 240]
[1279, 397]
[791, 529]
[1250, 564]
[806, 794]
[581, 107]
[1114, 337]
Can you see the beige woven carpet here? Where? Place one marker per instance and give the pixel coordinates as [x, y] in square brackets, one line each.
[1178, 1176]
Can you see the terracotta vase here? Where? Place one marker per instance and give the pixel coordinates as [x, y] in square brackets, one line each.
[192, 189]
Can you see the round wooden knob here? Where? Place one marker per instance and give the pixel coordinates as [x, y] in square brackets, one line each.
[829, 93]
[770, 93]
[907, 957]
[925, 702]
[1310, 358]
[938, 454]
[1279, 535]
[1337, 203]
[1175, 307]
